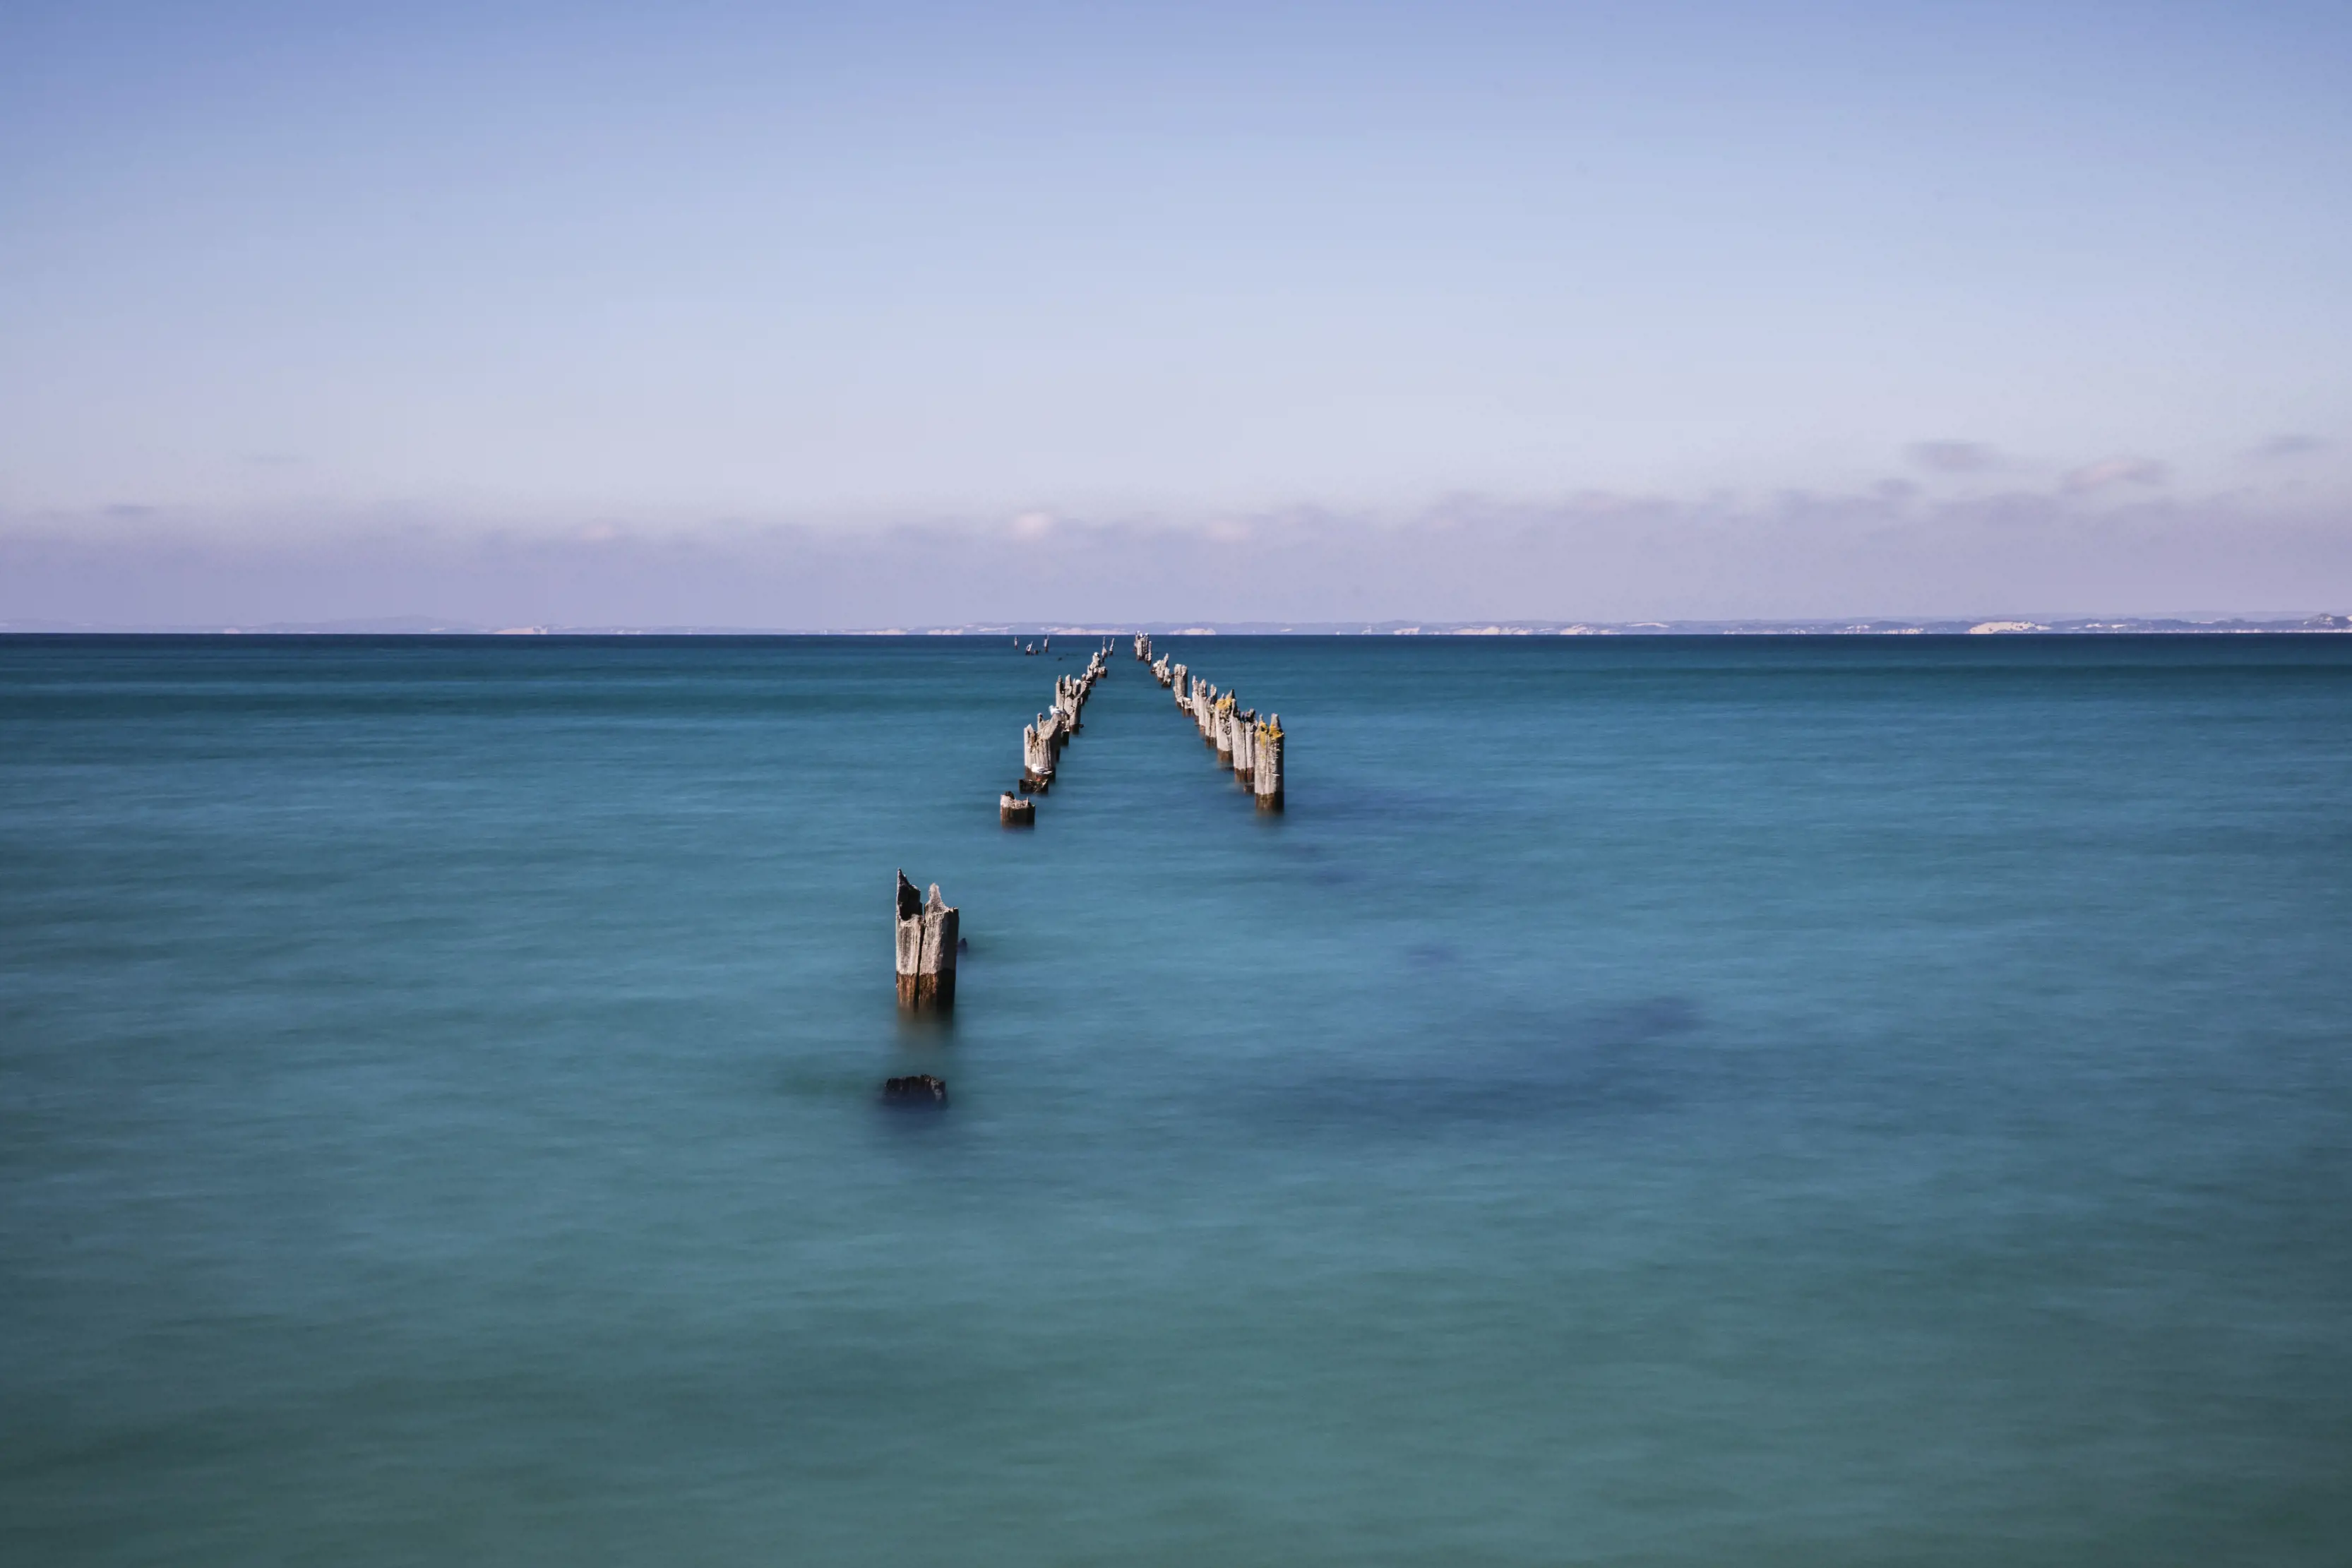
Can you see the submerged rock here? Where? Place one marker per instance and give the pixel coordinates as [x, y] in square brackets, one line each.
[922, 1089]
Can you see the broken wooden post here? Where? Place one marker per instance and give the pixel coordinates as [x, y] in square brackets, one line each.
[1220, 729]
[1245, 742]
[1266, 775]
[1036, 756]
[1014, 811]
[927, 950]
[1069, 697]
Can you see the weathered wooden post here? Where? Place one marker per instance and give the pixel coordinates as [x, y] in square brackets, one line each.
[1036, 757]
[927, 950]
[1266, 775]
[1014, 811]
[1182, 683]
[1245, 742]
[1220, 729]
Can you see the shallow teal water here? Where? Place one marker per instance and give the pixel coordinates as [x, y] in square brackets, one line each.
[1648, 1101]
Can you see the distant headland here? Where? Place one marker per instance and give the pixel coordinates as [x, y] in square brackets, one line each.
[426, 626]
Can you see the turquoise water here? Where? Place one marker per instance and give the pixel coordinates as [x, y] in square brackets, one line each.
[1759, 1101]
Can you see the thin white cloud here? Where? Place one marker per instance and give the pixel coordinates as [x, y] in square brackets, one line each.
[2289, 446]
[1954, 456]
[2110, 471]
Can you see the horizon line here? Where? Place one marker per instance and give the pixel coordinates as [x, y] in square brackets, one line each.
[2186, 624]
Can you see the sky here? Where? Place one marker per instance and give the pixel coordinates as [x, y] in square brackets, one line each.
[854, 316]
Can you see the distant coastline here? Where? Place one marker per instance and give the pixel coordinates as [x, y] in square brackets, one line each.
[2010, 626]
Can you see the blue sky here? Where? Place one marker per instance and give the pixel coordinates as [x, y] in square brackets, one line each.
[1839, 297]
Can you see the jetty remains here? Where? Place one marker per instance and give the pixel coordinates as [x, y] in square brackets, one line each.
[1017, 810]
[1042, 740]
[1249, 745]
[927, 950]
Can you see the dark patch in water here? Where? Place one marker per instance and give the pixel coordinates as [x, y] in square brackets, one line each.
[1511, 1066]
[1644, 1022]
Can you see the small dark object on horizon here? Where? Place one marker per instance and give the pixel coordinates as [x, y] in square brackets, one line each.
[922, 1089]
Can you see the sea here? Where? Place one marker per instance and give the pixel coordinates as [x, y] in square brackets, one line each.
[1646, 1101]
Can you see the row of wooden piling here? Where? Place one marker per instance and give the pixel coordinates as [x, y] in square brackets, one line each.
[1249, 745]
[1042, 742]
[927, 936]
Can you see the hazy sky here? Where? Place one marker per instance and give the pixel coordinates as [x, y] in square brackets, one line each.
[896, 313]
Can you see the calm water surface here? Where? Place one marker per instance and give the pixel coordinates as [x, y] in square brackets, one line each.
[1773, 1102]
